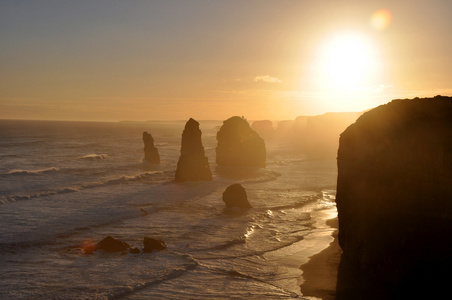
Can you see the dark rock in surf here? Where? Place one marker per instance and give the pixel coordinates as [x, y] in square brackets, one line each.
[193, 165]
[134, 250]
[151, 154]
[393, 192]
[235, 196]
[110, 244]
[239, 145]
[151, 244]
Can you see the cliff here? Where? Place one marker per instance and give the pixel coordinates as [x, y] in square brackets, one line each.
[193, 165]
[239, 145]
[318, 136]
[393, 191]
[264, 128]
[151, 154]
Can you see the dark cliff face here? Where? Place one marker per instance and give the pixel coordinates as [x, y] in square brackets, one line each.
[393, 191]
[239, 145]
[193, 165]
[151, 154]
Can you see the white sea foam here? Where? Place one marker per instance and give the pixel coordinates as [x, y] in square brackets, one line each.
[33, 172]
[94, 156]
[142, 177]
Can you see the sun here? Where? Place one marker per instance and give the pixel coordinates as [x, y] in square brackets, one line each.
[347, 61]
[345, 73]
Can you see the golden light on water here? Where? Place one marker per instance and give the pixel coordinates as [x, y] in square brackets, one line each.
[381, 19]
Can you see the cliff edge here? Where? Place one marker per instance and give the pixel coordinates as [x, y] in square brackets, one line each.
[393, 191]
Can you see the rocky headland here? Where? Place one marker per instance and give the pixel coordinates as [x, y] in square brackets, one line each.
[193, 164]
[393, 194]
[151, 154]
[239, 145]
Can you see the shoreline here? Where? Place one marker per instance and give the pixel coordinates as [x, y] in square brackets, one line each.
[320, 273]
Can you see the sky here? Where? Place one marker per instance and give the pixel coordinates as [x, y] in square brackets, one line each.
[209, 59]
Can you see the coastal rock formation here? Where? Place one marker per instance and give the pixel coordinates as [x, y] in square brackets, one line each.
[264, 128]
[239, 145]
[134, 250]
[151, 154]
[193, 165]
[318, 136]
[110, 244]
[235, 196]
[151, 244]
[393, 191]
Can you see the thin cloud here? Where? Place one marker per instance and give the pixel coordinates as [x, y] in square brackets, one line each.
[267, 78]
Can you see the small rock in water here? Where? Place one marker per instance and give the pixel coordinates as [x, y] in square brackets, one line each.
[134, 250]
[151, 244]
[235, 196]
[110, 244]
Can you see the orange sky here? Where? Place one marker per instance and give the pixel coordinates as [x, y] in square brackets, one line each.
[207, 59]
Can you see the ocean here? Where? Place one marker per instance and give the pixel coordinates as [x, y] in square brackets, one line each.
[67, 185]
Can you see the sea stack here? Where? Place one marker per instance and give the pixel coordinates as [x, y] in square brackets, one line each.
[235, 196]
[239, 145]
[393, 193]
[193, 165]
[151, 154]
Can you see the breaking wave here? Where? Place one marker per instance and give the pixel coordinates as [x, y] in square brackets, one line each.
[94, 156]
[143, 177]
[33, 172]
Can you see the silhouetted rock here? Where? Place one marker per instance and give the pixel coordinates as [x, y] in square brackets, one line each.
[393, 192]
[110, 244]
[151, 244]
[235, 196]
[239, 145]
[193, 165]
[134, 250]
[151, 154]
[264, 128]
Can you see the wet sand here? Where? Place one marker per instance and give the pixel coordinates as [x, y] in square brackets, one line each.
[321, 271]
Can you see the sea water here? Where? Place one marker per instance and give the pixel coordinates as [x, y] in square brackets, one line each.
[66, 185]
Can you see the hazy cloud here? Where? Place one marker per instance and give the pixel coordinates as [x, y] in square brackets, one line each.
[267, 78]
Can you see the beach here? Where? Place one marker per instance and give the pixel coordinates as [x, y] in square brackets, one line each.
[321, 271]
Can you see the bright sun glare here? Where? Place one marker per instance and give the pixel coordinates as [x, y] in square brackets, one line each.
[347, 61]
[346, 72]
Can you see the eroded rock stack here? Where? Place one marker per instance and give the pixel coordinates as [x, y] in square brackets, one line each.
[151, 154]
[393, 191]
[239, 145]
[193, 165]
